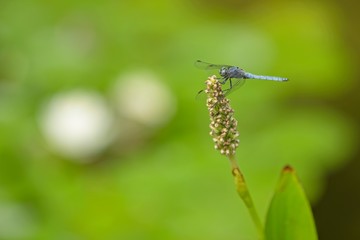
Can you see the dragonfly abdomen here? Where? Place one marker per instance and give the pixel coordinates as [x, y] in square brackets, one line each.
[271, 78]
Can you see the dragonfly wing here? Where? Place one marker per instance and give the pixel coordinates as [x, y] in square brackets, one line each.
[201, 95]
[237, 83]
[208, 66]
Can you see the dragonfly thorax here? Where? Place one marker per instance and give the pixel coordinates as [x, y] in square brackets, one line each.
[231, 72]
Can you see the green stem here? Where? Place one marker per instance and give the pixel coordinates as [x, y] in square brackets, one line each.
[244, 193]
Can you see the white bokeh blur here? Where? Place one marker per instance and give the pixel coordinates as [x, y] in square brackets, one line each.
[77, 124]
[142, 97]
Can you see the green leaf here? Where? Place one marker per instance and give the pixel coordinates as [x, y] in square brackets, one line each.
[289, 216]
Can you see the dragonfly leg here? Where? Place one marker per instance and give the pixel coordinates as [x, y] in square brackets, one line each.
[224, 80]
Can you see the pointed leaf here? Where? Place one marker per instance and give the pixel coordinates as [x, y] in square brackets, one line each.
[289, 216]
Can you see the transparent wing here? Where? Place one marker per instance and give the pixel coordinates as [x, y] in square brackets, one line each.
[236, 84]
[201, 95]
[208, 66]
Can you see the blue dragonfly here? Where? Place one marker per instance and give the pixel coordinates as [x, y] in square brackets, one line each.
[236, 74]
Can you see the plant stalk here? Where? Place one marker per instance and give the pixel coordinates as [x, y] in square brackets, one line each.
[244, 194]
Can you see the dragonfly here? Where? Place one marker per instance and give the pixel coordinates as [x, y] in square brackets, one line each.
[235, 75]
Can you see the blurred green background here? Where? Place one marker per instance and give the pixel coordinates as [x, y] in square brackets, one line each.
[102, 138]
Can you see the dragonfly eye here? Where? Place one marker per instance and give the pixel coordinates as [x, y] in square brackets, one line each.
[222, 71]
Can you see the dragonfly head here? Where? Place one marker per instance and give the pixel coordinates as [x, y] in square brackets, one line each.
[223, 71]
